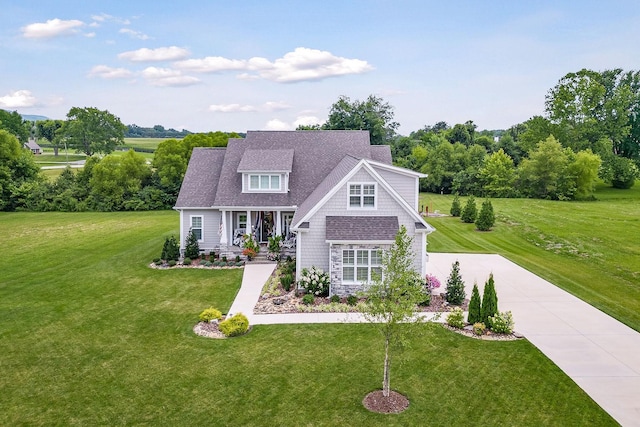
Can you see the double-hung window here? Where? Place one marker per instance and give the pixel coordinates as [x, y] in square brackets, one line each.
[361, 265]
[196, 227]
[362, 196]
[264, 182]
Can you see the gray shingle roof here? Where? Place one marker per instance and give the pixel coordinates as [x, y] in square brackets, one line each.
[266, 161]
[316, 154]
[350, 228]
[200, 182]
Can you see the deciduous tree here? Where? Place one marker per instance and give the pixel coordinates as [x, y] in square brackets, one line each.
[90, 131]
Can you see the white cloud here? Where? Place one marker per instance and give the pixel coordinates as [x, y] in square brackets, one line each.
[170, 53]
[232, 108]
[303, 64]
[90, 35]
[276, 124]
[104, 17]
[51, 28]
[211, 64]
[107, 72]
[18, 99]
[134, 34]
[306, 121]
[168, 77]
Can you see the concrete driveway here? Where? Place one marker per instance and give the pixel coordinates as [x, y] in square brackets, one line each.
[599, 353]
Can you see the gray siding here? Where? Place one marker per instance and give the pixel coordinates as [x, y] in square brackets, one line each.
[210, 226]
[404, 185]
[315, 248]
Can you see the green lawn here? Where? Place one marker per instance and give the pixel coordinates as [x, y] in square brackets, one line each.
[591, 249]
[143, 142]
[92, 336]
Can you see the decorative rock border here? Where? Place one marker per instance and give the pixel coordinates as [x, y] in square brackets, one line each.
[212, 267]
[488, 336]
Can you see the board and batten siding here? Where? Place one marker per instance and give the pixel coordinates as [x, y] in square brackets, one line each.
[210, 227]
[315, 247]
[404, 185]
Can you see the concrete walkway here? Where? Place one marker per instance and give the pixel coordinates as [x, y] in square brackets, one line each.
[599, 353]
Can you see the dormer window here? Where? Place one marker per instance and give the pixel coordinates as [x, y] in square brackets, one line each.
[362, 195]
[264, 182]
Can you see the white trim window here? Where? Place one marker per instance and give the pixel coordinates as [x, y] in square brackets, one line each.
[264, 182]
[196, 227]
[361, 265]
[362, 195]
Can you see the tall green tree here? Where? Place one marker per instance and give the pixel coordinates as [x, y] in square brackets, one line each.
[584, 169]
[475, 305]
[170, 161]
[374, 114]
[13, 123]
[392, 299]
[498, 174]
[545, 173]
[49, 130]
[489, 301]
[17, 168]
[117, 178]
[90, 131]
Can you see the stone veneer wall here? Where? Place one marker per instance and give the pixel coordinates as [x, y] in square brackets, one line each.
[337, 287]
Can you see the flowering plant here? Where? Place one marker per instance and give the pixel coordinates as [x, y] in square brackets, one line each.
[314, 281]
[249, 253]
[432, 282]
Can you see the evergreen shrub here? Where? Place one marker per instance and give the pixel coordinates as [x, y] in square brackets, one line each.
[455, 293]
[486, 218]
[210, 314]
[474, 306]
[235, 325]
[489, 302]
[191, 247]
[470, 211]
[456, 208]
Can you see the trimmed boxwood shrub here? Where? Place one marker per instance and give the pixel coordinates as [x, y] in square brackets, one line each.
[210, 314]
[352, 300]
[335, 298]
[187, 261]
[235, 325]
[308, 299]
[172, 263]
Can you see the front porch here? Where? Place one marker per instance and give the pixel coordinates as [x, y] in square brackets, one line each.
[260, 224]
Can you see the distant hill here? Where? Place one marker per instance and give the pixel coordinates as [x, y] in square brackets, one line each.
[33, 117]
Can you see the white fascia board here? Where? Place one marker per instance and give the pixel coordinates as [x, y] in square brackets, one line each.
[194, 207]
[397, 169]
[256, 208]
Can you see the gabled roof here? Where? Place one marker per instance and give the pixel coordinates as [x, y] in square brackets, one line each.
[266, 161]
[32, 145]
[201, 180]
[361, 228]
[315, 155]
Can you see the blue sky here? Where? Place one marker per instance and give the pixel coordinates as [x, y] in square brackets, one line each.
[237, 66]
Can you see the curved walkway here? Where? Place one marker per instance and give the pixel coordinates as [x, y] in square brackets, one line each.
[599, 353]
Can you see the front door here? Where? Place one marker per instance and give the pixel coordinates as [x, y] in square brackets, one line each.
[266, 226]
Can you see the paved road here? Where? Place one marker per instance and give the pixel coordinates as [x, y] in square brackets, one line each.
[599, 353]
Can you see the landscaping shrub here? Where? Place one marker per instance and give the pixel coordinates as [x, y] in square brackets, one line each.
[159, 262]
[470, 211]
[187, 261]
[170, 250]
[308, 299]
[224, 258]
[289, 259]
[479, 328]
[486, 218]
[314, 281]
[172, 263]
[203, 262]
[286, 280]
[207, 263]
[456, 209]
[274, 244]
[237, 258]
[156, 260]
[352, 300]
[502, 323]
[455, 294]
[210, 314]
[239, 264]
[489, 302]
[335, 299]
[212, 255]
[431, 282]
[235, 325]
[455, 318]
[474, 306]
[191, 247]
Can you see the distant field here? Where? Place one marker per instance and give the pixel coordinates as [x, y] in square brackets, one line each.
[591, 249]
[151, 143]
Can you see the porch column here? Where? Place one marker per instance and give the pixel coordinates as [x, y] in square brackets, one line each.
[249, 228]
[224, 241]
[278, 223]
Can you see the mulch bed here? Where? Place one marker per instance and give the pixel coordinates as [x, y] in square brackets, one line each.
[377, 402]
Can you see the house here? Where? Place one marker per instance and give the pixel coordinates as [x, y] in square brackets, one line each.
[33, 146]
[332, 195]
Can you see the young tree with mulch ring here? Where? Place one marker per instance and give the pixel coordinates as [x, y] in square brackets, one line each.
[474, 306]
[455, 293]
[391, 303]
[489, 301]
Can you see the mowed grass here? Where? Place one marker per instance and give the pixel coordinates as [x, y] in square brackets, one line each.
[591, 249]
[92, 336]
